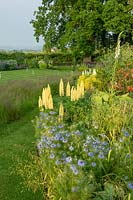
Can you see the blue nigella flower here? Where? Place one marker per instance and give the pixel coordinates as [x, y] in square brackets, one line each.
[61, 126]
[93, 164]
[57, 162]
[130, 185]
[85, 145]
[53, 145]
[91, 154]
[69, 159]
[52, 156]
[67, 135]
[71, 148]
[52, 112]
[126, 134]
[74, 169]
[65, 141]
[85, 150]
[101, 155]
[74, 189]
[40, 146]
[78, 132]
[128, 155]
[81, 163]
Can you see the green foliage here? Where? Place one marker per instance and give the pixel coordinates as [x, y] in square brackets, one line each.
[117, 16]
[111, 113]
[32, 63]
[123, 67]
[83, 26]
[93, 144]
[31, 59]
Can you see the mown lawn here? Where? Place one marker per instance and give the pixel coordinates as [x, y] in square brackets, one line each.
[17, 136]
[31, 74]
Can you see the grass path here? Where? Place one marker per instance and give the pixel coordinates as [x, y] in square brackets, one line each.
[16, 140]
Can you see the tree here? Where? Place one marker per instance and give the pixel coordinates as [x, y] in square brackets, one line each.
[117, 17]
[83, 26]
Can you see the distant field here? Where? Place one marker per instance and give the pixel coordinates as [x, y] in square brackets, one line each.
[31, 74]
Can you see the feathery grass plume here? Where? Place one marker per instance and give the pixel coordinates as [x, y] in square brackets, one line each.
[68, 91]
[61, 88]
[40, 104]
[61, 112]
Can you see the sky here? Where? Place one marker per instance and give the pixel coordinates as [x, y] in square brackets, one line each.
[15, 28]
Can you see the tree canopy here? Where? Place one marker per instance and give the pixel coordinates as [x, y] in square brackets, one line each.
[84, 26]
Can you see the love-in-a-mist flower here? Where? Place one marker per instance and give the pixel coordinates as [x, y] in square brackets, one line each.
[61, 88]
[68, 91]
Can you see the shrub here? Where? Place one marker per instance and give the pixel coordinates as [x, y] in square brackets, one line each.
[32, 63]
[124, 65]
[42, 64]
[124, 80]
[8, 65]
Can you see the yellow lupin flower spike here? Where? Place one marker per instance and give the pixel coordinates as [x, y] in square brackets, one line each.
[61, 88]
[44, 96]
[82, 88]
[40, 104]
[61, 112]
[78, 91]
[49, 90]
[47, 100]
[50, 106]
[72, 93]
[68, 92]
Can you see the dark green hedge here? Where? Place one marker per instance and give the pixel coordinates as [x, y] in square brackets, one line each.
[31, 59]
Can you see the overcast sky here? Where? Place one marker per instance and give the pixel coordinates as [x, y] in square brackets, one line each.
[15, 29]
